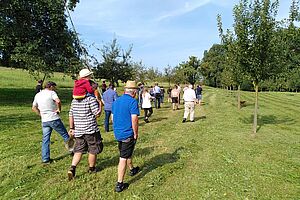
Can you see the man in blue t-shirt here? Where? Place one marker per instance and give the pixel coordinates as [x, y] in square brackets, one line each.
[109, 96]
[125, 114]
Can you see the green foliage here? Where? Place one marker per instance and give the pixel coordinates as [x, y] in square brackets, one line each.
[212, 158]
[185, 72]
[153, 75]
[169, 74]
[34, 36]
[139, 72]
[116, 64]
[212, 65]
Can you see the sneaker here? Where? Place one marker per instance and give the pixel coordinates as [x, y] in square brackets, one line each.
[71, 173]
[93, 170]
[47, 162]
[192, 121]
[184, 120]
[134, 171]
[121, 186]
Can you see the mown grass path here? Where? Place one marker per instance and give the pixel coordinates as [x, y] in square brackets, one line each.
[213, 158]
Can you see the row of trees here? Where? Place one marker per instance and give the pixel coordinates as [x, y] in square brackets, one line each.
[258, 50]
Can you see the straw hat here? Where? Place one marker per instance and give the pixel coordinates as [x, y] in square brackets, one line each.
[84, 73]
[131, 85]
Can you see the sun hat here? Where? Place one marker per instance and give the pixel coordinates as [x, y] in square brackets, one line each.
[84, 73]
[131, 85]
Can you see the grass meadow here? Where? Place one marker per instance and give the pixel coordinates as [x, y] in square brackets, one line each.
[216, 157]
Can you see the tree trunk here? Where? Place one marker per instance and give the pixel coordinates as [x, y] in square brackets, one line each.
[255, 109]
[43, 80]
[239, 97]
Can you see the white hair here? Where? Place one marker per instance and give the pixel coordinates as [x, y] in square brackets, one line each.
[130, 90]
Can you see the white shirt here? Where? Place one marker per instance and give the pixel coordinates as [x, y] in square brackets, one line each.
[45, 102]
[146, 100]
[189, 95]
[156, 89]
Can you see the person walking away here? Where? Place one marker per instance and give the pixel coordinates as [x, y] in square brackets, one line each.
[151, 92]
[189, 98]
[175, 97]
[179, 91]
[147, 104]
[185, 88]
[104, 86]
[47, 105]
[39, 86]
[199, 94]
[84, 127]
[83, 85]
[169, 95]
[162, 94]
[140, 92]
[125, 123]
[109, 96]
[157, 94]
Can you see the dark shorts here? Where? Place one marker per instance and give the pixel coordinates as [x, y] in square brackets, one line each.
[91, 143]
[174, 99]
[126, 147]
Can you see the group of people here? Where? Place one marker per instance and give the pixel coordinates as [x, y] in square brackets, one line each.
[83, 125]
[156, 92]
[87, 105]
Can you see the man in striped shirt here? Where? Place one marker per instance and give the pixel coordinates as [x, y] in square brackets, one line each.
[83, 125]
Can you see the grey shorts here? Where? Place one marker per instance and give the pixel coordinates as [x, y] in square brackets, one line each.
[199, 96]
[91, 143]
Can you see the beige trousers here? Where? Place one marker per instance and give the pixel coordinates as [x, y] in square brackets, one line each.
[189, 108]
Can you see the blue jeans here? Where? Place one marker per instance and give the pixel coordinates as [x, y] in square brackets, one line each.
[106, 120]
[157, 100]
[47, 128]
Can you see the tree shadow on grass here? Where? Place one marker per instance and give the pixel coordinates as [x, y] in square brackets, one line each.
[154, 120]
[25, 96]
[202, 117]
[103, 163]
[62, 157]
[267, 119]
[156, 162]
[13, 118]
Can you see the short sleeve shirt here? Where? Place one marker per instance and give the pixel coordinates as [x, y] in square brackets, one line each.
[45, 102]
[84, 112]
[122, 109]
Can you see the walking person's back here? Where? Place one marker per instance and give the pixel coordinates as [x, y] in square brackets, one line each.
[125, 122]
[109, 96]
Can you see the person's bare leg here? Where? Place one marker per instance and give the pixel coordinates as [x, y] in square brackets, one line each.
[121, 169]
[76, 159]
[92, 160]
[129, 163]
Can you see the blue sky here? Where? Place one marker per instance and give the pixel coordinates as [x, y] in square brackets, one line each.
[162, 32]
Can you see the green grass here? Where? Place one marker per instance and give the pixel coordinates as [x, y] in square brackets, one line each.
[214, 158]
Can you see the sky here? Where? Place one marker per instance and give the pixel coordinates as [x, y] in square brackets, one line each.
[162, 32]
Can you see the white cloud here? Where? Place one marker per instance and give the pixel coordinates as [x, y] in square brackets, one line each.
[183, 8]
